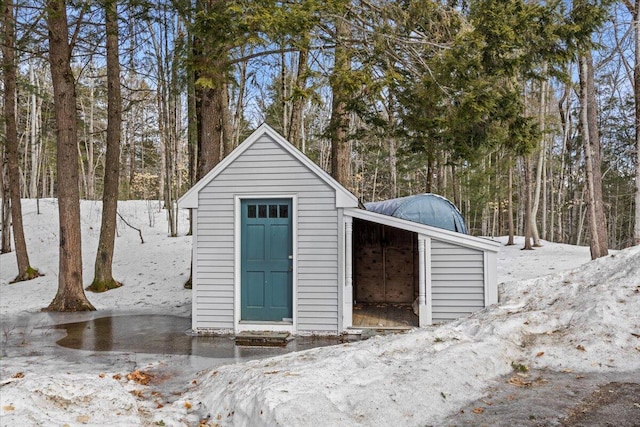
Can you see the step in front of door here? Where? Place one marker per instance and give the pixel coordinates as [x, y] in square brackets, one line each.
[263, 339]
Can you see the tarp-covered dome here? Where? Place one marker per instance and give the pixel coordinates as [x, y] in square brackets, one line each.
[429, 209]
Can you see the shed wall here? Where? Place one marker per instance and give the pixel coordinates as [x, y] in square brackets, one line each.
[265, 168]
[457, 280]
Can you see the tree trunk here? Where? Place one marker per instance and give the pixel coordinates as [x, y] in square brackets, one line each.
[225, 117]
[6, 205]
[90, 179]
[294, 135]
[393, 146]
[103, 279]
[540, 164]
[527, 204]
[339, 123]
[34, 121]
[510, 206]
[209, 144]
[635, 10]
[70, 295]
[25, 271]
[594, 141]
[588, 157]
[239, 111]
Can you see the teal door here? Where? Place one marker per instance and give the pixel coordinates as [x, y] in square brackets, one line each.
[267, 260]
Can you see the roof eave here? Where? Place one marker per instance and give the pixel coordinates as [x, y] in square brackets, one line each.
[467, 240]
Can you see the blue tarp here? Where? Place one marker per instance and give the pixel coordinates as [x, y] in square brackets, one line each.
[429, 209]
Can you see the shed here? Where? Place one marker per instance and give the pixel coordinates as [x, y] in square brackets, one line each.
[273, 246]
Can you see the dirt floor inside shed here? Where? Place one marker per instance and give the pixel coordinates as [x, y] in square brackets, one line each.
[384, 316]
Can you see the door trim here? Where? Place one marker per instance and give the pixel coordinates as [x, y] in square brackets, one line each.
[240, 325]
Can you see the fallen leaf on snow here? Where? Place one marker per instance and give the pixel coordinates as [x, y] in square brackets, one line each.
[140, 377]
[8, 408]
[187, 405]
[519, 382]
[18, 375]
[540, 354]
[478, 410]
[581, 348]
[82, 419]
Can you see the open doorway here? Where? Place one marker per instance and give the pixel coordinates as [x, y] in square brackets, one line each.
[385, 276]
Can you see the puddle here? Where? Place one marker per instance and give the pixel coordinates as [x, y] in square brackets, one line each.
[123, 342]
[157, 334]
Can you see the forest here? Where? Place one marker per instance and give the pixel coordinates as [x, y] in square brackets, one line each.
[525, 114]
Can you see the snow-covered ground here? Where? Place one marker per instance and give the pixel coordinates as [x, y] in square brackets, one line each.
[557, 310]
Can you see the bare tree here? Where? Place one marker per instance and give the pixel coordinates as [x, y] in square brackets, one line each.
[295, 131]
[591, 162]
[541, 160]
[339, 125]
[103, 279]
[25, 271]
[634, 9]
[5, 220]
[510, 205]
[528, 219]
[70, 295]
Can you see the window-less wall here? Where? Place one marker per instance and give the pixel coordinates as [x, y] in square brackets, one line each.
[457, 280]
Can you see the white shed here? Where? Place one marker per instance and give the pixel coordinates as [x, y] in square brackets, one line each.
[273, 249]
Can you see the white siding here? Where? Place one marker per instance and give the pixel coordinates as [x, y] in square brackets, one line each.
[457, 280]
[266, 168]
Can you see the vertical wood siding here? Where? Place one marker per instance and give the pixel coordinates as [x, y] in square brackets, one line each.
[457, 280]
[266, 168]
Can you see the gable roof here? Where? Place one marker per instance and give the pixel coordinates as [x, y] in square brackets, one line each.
[343, 197]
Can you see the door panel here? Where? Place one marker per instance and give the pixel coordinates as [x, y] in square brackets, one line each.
[266, 257]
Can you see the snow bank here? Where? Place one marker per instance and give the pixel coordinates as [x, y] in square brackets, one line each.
[67, 400]
[582, 320]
